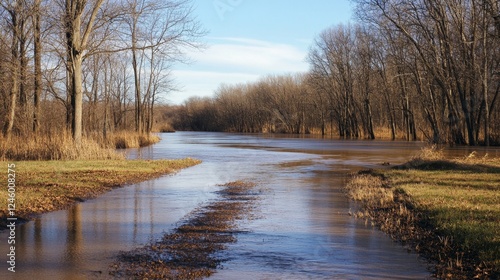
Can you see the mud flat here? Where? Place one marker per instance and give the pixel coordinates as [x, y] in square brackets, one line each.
[191, 250]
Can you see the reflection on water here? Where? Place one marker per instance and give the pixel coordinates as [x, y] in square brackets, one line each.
[81, 242]
[303, 230]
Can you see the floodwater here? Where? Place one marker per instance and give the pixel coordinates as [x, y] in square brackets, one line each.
[301, 227]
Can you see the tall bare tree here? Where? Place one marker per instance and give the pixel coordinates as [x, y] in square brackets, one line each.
[163, 30]
[332, 59]
[37, 49]
[80, 16]
[14, 10]
[450, 40]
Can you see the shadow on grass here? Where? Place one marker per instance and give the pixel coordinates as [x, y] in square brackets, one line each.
[467, 243]
[460, 241]
[430, 165]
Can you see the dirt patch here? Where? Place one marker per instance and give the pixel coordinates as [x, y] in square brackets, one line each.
[190, 251]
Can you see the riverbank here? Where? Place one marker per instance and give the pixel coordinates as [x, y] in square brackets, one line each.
[44, 186]
[448, 210]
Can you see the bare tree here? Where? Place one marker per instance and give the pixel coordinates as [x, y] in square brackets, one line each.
[450, 39]
[36, 18]
[14, 9]
[80, 16]
[166, 29]
[363, 61]
[77, 68]
[332, 59]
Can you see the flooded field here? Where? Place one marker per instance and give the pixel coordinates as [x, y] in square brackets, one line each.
[301, 228]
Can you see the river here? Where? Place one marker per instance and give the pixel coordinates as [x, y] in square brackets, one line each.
[301, 228]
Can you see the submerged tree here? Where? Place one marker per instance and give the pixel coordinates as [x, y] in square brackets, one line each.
[455, 50]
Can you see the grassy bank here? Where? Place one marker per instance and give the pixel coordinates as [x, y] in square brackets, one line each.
[43, 186]
[446, 209]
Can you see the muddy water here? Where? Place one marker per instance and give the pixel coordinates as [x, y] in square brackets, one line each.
[302, 229]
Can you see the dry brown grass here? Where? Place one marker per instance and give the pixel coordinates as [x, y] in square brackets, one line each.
[430, 153]
[370, 190]
[54, 147]
[433, 158]
[384, 133]
[62, 146]
[127, 139]
[434, 153]
[165, 128]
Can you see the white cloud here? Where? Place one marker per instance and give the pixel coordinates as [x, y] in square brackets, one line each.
[232, 60]
[188, 74]
[253, 55]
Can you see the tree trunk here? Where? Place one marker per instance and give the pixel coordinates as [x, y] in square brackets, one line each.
[23, 99]
[75, 66]
[7, 131]
[485, 82]
[77, 100]
[38, 67]
[390, 113]
[14, 91]
[368, 108]
[137, 86]
[69, 98]
[75, 47]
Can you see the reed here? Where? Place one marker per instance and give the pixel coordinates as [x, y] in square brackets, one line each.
[369, 189]
[62, 146]
[127, 140]
[54, 147]
[166, 128]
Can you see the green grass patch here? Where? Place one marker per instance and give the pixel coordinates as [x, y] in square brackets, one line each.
[463, 205]
[450, 209]
[43, 186]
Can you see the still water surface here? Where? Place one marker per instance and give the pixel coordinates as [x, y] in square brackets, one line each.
[301, 230]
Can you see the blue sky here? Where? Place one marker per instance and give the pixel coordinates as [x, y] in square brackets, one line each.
[250, 39]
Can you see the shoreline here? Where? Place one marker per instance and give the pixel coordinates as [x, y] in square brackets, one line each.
[46, 186]
[416, 205]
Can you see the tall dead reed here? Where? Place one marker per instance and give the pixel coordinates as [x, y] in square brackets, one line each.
[54, 147]
[127, 139]
[62, 146]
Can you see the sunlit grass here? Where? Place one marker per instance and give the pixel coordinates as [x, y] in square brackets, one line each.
[457, 201]
[463, 205]
[369, 190]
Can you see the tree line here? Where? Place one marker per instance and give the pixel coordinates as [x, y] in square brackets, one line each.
[89, 66]
[425, 69]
